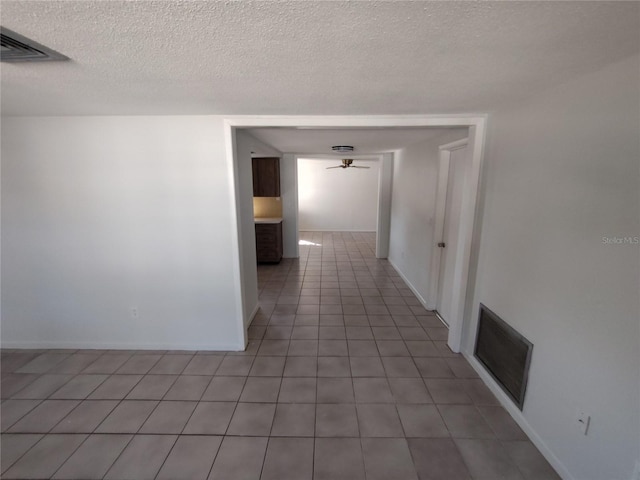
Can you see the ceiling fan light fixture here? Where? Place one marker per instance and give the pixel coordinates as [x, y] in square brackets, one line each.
[342, 148]
[346, 163]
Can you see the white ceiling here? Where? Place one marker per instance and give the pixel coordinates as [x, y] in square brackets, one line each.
[305, 57]
[364, 140]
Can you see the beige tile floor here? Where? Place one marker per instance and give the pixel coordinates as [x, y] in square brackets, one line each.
[346, 377]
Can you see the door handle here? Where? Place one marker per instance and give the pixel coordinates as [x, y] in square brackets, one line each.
[441, 244]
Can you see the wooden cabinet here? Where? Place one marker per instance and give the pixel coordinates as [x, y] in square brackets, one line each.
[266, 177]
[269, 242]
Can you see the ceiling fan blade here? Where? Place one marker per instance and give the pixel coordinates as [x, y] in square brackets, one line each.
[356, 166]
[338, 166]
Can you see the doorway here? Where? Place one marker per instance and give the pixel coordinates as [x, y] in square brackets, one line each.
[289, 179]
[450, 232]
[246, 269]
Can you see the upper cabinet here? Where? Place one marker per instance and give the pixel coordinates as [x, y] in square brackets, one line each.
[266, 177]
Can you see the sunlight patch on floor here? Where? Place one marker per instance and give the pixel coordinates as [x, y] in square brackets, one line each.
[308, 243]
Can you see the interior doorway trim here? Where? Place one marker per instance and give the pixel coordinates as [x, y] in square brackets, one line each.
[383, 215]
[477, 128]
[444, 156]
[459, 286]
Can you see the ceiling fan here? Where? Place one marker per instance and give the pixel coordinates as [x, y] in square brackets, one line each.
[347, 163]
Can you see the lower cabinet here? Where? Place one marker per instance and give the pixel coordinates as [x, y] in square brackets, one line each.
[269, 242]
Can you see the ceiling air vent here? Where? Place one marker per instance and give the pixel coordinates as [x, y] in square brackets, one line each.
[16, 48]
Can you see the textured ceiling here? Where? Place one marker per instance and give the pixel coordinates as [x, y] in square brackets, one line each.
[364, 140]
[306, 57]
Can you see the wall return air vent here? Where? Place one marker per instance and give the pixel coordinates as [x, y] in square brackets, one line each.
[16, 48]
[505, 354]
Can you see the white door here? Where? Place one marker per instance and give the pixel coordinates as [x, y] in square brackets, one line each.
[450, 251]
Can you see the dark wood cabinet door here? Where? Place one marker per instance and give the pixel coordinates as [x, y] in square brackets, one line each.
[269, 242]
[266, 177]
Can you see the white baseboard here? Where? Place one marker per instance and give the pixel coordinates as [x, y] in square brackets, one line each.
[215, 347]
[518, 417]
[252, 316]
[410, 285]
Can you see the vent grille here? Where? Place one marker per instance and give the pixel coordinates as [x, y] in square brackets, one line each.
[16, 48]
[505, 353]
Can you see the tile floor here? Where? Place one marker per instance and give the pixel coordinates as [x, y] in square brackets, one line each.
[346, 377]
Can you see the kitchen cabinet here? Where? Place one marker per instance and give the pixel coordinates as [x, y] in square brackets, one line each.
[269, 242]
[266, 176]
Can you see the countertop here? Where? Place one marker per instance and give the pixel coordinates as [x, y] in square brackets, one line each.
[268, 220]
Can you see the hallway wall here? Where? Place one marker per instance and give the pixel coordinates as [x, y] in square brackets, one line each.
[560, 178]
[415, 175]
[245, 146]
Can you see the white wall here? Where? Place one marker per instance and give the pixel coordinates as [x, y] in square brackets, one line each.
[103, 214]
[289, 192]
[562, 172]
[337, 199]
[415, 175]
[246, 145]
[385, 191]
